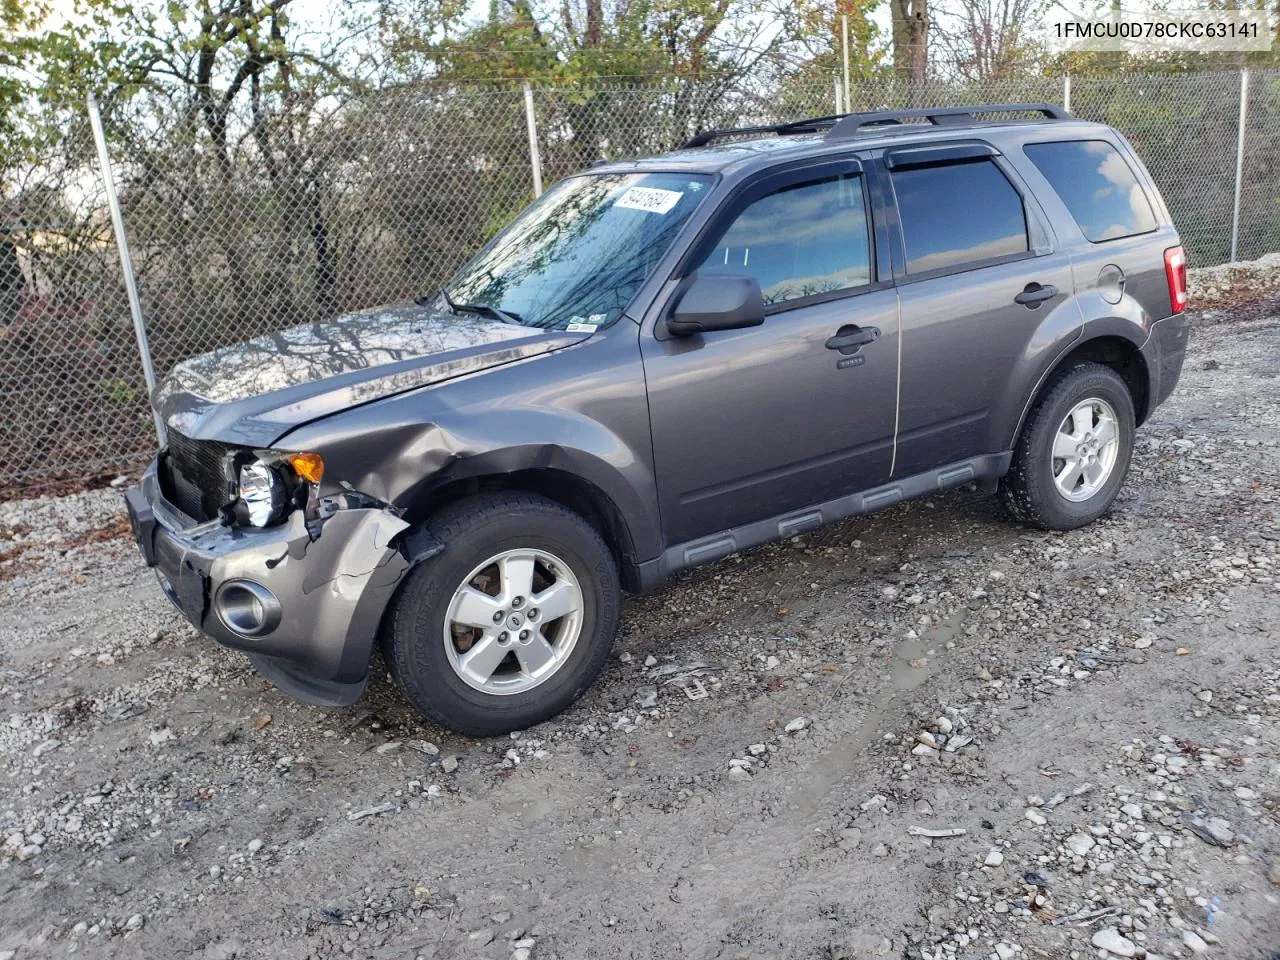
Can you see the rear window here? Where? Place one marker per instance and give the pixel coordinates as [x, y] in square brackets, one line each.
[1097, 185]
[958, 214]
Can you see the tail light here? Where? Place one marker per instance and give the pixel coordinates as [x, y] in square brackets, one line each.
[1175, 271]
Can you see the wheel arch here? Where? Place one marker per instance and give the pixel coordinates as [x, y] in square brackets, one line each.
[1118, 352]
[569, 489]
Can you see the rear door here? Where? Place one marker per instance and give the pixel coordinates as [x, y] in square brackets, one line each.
[985, 294]
[749, 424]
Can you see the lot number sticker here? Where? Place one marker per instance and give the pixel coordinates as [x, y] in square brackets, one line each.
[648, 199]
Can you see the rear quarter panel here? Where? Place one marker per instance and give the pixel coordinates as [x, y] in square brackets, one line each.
[1128, 310]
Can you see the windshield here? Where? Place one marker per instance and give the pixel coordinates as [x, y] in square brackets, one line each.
[579, 254]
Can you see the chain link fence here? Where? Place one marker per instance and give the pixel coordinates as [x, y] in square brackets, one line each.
[310, 208]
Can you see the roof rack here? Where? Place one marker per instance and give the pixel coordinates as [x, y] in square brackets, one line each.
[811, 125]
[845, 125]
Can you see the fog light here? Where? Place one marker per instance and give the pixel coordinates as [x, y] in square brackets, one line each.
[247, 608]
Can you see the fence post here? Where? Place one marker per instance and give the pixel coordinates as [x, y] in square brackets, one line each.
[1066, 92]
[839, 99]
[126, 261]
[535, 159]
[844, 31]
[1244, 118]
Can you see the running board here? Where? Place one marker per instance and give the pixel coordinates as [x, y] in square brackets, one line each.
[717, 546]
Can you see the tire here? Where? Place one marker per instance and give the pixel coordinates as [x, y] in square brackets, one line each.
[1030, 492]
[429, 668]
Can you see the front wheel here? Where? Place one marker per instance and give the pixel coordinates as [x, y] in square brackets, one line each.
[511, 622]
[1074, 451]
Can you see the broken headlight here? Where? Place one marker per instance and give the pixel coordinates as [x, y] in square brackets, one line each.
[263, 493]
[272, 484]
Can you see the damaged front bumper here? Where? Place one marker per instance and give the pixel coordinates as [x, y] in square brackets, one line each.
[304, 601]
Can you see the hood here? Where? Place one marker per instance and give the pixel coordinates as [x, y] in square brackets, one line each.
[253, 392]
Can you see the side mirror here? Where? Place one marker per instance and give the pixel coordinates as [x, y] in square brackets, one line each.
[718, 301]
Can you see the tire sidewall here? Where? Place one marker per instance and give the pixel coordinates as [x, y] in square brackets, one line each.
[417, 648]
[1084, 384]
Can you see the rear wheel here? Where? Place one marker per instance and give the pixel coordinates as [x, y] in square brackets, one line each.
[1074, 451]
[511, 622]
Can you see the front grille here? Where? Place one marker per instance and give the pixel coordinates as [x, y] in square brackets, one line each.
[194, 476]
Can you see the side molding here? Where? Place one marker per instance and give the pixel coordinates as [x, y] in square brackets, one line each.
[681, 556]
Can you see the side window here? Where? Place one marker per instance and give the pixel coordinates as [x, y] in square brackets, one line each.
[802, 240]
[1097, 186]
[958, 213]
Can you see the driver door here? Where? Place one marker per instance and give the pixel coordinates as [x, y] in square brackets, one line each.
[753, 423]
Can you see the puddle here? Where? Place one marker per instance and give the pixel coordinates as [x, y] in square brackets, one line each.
[914, 661]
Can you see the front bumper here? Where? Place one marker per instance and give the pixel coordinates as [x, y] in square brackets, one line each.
[333, 583]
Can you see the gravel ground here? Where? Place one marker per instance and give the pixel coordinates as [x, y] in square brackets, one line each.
[928, 733]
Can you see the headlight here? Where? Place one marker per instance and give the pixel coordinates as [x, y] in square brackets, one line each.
[262, 490]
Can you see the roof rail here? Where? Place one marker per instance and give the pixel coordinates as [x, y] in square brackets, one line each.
[851, 123]
[842, 125]
[811, 125]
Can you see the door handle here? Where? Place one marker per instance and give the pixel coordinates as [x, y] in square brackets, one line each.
[1033, 294]
[851, 339]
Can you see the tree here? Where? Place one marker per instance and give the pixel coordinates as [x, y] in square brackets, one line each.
[910, 38]
[986, 40]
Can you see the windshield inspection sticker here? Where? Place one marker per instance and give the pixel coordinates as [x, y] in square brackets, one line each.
[576, 327]
[648, 199]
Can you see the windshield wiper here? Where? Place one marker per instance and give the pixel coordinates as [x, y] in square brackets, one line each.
[428, 299]
[485, 310]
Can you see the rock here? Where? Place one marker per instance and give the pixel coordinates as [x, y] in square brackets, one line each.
[136, 922]
[388, 747]
[1273, 873]
[1205, 696]
[1213, 830]
[1006, 951]
[944, 725]
[646, 697]
[1110, 940]
[1193, 942]
[424, 746]
[449, 764]
[255, 845]
[756, 749]
[1080, 844]
[481, 938]
[8, 954]
[371, 811]
[796, 725]
[215, 871]
[651, 661]
[1036, 817]
[521, 953]
[739, 774]
[994, 858]
[1132, 811]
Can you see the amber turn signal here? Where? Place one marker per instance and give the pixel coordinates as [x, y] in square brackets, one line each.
[309, 466]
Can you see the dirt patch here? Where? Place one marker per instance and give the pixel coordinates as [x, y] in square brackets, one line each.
[926, 733]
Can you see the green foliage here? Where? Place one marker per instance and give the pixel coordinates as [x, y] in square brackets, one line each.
[118, 392]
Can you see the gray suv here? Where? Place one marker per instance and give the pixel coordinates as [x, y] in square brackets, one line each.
[659, 363]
